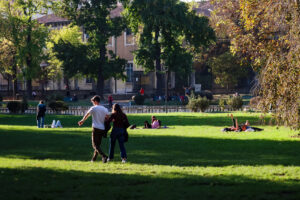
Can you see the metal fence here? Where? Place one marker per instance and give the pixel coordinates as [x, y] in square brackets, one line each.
[81, 110]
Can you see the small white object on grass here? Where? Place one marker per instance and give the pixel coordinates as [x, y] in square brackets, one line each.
[58, 124]
[53, 125]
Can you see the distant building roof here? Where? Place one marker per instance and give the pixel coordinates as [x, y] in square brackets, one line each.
[203, 8]
[49, 19]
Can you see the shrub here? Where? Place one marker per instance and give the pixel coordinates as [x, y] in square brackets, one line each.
[222, 104]
[14, 106]
[200, 103]
[58, 106]
[235, 103]
[139, 99]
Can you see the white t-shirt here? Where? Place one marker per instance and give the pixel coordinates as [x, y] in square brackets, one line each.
[98, 114]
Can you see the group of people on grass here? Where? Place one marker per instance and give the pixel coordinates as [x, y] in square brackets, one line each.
[101, 120]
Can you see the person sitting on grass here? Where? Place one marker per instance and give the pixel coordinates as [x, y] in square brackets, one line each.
[244, 127]
[147, 125]
[156, 124]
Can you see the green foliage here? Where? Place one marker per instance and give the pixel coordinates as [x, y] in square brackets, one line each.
[222, 103]
[72, 57]
[26, 35]
[227, 69]
[197, 103]
[56, 51]
[139, 99]
[96, 19]
[267, 33]
[161, 28]
[58, 106]
[235, 103]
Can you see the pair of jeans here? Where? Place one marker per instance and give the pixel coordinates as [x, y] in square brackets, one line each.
[97, 135]
[117, 134]
[40, 122]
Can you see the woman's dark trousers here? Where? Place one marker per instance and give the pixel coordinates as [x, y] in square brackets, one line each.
[117, 134]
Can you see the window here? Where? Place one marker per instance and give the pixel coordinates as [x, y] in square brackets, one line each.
[128, 37]
[129, 72]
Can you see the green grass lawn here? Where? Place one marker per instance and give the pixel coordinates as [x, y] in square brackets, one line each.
[192, 159]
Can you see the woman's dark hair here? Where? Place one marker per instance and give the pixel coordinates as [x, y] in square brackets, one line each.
[116, 107]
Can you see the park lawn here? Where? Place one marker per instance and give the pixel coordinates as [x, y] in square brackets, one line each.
[192, 159]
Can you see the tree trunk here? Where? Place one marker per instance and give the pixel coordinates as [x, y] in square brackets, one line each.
[29, 88]
[15, 81]
[67, 87]
[100, 78]
[8, 84]
[227, 88]
[159, 81]
[29, 61]
[167, 77]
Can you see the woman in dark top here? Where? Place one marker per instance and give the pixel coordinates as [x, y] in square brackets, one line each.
[120, 124]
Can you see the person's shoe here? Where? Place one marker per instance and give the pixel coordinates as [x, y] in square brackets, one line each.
[123, 160]
[109, 159]
[104, 159]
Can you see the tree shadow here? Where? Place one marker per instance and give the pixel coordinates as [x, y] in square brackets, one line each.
[159, 150]
[58, 184]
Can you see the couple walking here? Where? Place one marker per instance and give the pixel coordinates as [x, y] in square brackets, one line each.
[120, 123]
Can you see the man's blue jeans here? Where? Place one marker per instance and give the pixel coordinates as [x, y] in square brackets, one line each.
[40, 122]
[117, 134]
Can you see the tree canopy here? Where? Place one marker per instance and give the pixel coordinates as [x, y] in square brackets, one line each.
[26, 35]
[267, 33]
[163, 29]
[96, 20]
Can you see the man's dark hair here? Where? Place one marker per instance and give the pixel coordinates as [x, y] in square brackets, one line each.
[96, 98]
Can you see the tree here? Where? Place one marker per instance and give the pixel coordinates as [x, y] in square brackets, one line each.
[26, 34]
[8, 65]
[67, 53]
[164, 28]
[96, 20]
[267, 33]
[227, 70]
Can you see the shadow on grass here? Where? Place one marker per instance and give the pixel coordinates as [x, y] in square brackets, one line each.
[51, 184]
[172, 119]
[160, 150]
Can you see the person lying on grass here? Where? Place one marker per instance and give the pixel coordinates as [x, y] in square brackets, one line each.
[244, 127]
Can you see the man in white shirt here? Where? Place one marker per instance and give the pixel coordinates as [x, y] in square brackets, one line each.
[99, 114]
